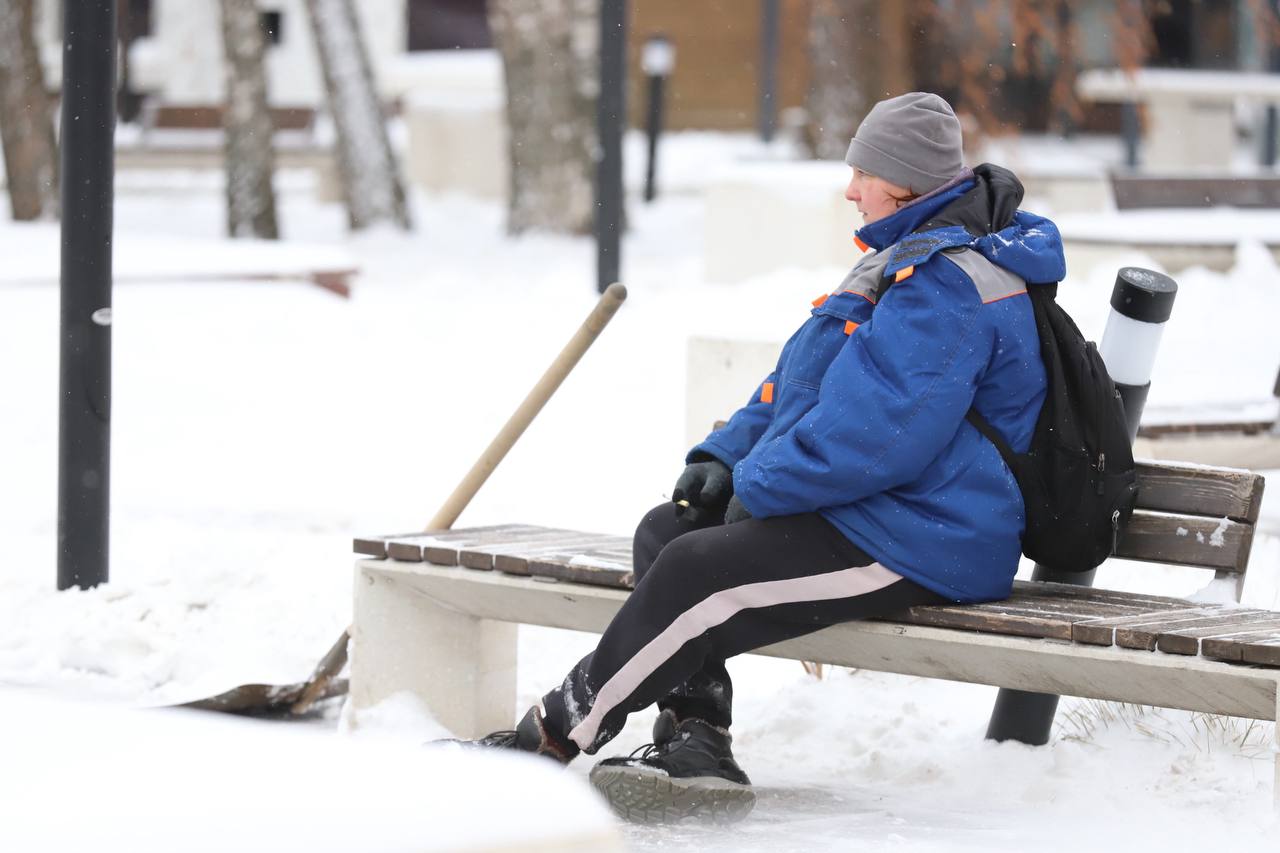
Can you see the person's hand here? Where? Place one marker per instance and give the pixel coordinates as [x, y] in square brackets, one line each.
[735, 511]
[707, 486]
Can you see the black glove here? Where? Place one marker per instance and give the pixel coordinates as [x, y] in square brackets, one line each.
[705, 485]
[735, 511]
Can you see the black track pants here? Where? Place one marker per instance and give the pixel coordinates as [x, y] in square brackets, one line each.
[708, 592]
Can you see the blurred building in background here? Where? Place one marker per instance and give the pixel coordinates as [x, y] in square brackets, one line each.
[171, 72]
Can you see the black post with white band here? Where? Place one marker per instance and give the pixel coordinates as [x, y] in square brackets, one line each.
[1141, 303]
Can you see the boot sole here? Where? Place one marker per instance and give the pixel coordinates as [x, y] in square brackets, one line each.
[645, 796]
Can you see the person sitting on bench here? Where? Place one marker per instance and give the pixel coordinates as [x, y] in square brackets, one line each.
[849, 486]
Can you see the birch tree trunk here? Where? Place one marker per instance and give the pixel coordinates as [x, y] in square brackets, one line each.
[370, 174]
[859, 53]
[26, 117]
[250, 158]
[550, 55]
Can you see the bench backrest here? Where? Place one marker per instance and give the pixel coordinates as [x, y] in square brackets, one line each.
[1194, 515]
[1187, 514]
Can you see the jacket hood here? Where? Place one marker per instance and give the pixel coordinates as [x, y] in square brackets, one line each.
[1030, 248]
[1027, 245]
[987, 206]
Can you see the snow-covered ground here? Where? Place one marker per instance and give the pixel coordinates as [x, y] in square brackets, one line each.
[259, 426]
[204, 783]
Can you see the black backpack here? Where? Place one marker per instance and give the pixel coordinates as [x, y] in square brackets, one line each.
[1077, 478]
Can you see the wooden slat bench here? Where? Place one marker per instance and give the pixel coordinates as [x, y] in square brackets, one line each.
[435, 614]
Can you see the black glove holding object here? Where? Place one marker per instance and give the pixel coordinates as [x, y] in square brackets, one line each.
[706, 484]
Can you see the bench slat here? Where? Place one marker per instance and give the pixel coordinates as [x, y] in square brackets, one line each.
[1042, 615]
[1075, 610]
[483, 555]
[1195, 490]
[1147, 636]
[1260, 647]
[378, 546]
[449, 550]
[519, 563]
[1230, 647]
[1101, 601]
[605, 557]
[606, 561]
[601, 567]
[441, 546]
[968, 618]
[374, 546]
[1186, 641]
[1265, 653]
[1102, 632]
[1063, 590]
[1186, 540]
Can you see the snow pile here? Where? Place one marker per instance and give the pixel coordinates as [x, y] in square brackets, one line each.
[144, 781]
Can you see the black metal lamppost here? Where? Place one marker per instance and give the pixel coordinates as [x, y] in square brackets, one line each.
[84, 379]
[611, 117]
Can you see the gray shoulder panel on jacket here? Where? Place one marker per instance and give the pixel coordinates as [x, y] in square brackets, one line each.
[992, 282]
[865, 277]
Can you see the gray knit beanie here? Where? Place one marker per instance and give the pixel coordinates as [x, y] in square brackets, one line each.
[912, 140]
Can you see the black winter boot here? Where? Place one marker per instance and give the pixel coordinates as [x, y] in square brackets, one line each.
[688, 772]
[530, 735]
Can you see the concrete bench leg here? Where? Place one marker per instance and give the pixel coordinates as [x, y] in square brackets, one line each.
[461, 667]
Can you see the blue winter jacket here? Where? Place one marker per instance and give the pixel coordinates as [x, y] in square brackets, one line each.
[863, 419]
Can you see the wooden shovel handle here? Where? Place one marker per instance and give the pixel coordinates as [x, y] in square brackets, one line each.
[610, 301]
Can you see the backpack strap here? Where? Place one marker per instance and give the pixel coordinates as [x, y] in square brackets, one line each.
[1042, 295]
[989, 432]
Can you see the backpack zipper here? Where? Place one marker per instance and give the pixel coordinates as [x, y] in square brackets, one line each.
[1115, 530]
[1102, 467]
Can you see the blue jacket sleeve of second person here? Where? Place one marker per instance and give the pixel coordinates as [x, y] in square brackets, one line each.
[892, 399]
